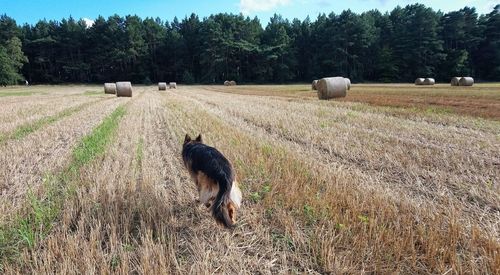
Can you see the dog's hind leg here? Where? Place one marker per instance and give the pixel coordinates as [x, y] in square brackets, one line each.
[207, 189]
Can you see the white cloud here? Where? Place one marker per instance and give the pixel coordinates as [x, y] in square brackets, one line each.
[88, 22]
[249, 6]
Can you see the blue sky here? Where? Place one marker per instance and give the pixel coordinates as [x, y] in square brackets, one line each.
[30, 11]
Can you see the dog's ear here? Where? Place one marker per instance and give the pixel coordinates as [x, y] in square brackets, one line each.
[187, 139]
[198, 138]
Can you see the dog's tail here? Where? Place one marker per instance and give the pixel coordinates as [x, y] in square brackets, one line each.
[220, 209]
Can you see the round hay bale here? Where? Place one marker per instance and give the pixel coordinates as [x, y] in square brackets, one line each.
[455, 81]
[331, 87]
[172, 85]
[313, 85]
[429, 81]
[348, 82]
[162, 86]
[227, 83]
[466, 81]
[124, 88]
[110, 88]
[232, 83]
[419, 81]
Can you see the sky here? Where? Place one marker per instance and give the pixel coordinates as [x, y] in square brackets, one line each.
[30, 11]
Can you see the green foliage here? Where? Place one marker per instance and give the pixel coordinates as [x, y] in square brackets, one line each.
[489, 48]
[310, 214]
[11, 54]
[283, 240]
[11, 61]
[147, 81]
[4, 94]
[188, 78]
[93, 93]
[400, 45]
[255, 197]
[266, 188]
[364, 219]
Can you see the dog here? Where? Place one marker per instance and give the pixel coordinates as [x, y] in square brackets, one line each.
[215, 179]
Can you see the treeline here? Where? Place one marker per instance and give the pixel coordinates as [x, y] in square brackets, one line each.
[396, 46]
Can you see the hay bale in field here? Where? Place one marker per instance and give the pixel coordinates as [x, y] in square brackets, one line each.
[466, 81]
[313, 84]
[419, 81]
[429, 81]
[124, 88]
[227, 83]
[172, 85]
[455, 81]
[331, 87]
[348, 82]
[232, 83]
[109, 88]
[162, 86]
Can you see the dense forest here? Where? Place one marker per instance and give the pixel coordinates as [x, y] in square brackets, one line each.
[396, 46]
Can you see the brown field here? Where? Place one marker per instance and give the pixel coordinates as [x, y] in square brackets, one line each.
[391, 179]
[481, 100]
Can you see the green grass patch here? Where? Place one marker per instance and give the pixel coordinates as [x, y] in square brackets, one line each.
[352, 114]
[43, 211]
[284, 240]
[4, 94]
[255, 197]
[438, 110]
[364, 219]
[93, 93]
[95, 143]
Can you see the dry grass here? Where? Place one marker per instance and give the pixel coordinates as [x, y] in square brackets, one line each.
[26, 161]
[481, 100]
[15, 112]
[336, 187]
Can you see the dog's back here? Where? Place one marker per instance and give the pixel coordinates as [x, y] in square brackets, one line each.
[214, 177]
[199, 157]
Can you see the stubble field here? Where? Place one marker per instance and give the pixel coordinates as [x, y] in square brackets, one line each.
[392, 178]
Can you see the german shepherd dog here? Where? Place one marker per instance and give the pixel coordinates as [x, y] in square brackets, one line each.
[215, 179]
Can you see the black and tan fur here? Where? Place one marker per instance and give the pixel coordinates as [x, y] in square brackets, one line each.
[214, 176]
